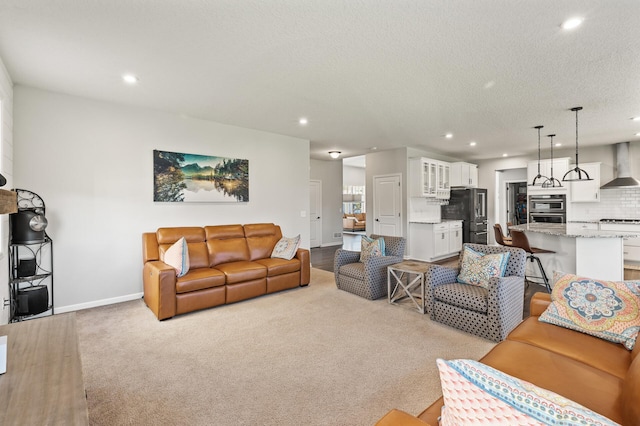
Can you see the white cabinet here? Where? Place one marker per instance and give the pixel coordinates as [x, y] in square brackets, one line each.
[433, 241]
[631, 245]
[464, 174]
[560, 167]
[586, 191]
[429, 178]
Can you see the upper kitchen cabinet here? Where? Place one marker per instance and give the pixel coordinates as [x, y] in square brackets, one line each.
[464, 175]
[429, 178]
[560, 167]
[586, 191]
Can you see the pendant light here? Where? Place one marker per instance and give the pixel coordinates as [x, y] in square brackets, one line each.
[538, 176]
[551, 182]
[578, 172]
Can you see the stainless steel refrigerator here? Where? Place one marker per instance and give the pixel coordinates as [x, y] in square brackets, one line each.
[470, 206]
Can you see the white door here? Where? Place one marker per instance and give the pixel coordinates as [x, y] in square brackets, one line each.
[387, 210]
[315, 208]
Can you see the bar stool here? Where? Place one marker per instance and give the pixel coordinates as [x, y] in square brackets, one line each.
[519, 239]
[500, 238]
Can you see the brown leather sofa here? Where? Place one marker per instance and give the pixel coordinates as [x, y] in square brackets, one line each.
[354, 222]
[600, 375]
[228, 263]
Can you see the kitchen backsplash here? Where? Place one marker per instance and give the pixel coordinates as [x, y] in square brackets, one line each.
[423, 209]
[614, 204]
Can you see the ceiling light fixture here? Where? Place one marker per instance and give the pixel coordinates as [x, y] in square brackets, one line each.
[334, 154]
[551, 182]
[129, 78]
[448, 135]
[571, 23]
[578, 172]
[472, 144]
[538, 176]
[303, 121]
[636, 118]
[505, 155]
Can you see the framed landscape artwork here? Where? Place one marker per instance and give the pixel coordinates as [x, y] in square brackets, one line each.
[179, 177]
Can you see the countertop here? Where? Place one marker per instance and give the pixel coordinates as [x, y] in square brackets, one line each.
[434, 222]
[572, 231]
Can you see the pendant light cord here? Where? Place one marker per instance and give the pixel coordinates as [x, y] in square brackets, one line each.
[578, 171]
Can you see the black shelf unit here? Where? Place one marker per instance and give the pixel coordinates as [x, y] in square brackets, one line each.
[30, 260]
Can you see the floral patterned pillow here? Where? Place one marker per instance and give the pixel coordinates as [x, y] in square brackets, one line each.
[286, 248]
[478, 268]
[477, 394]
[609, 310]
[371, 248]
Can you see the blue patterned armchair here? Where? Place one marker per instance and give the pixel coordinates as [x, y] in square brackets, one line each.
[490, 313]
[368, 279]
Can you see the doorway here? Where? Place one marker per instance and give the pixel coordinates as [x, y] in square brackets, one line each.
[517, 202]
[387, 207]
[315, 209]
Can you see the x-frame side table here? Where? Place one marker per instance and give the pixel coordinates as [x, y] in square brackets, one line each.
[405, 280]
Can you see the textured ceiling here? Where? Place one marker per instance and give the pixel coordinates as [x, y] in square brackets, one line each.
[366, 73]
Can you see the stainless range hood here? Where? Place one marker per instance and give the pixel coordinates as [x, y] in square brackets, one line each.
[624, 179]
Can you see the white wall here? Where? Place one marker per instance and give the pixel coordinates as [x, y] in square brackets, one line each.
[91, 162]
[6, 168]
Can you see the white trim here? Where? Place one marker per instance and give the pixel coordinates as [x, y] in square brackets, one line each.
[96, 303]
[338, 243]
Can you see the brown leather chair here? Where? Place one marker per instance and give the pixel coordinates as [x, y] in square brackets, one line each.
[500, 237]
[519, 239]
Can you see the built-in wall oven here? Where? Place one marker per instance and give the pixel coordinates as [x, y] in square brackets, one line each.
[549, 208]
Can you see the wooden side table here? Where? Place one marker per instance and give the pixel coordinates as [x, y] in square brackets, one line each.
[405, 280]
[43, 384]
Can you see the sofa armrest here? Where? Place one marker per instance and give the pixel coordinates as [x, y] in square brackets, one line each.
[159, 280]
[305, 266]
[539, 303]
[344, 257]
[397, 417]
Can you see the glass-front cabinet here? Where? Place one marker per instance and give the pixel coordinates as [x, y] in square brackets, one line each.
[429, 178]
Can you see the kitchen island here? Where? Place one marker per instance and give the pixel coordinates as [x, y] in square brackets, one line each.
[587, 252]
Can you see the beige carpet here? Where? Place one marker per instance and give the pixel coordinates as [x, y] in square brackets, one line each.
[313, 355]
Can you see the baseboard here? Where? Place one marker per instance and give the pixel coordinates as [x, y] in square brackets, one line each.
[337, 243]
[96, 303]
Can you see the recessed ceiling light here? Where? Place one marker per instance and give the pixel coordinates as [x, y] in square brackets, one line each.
[448, 135]
[635, 118]
[638, 134]
[505, 155]
[571, 23]
[303, 121]
[472, 144]
[373, 148]
[558, 144]
[129, 78]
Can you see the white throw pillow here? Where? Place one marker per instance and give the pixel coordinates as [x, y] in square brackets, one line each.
[286, 248]
[177, 256]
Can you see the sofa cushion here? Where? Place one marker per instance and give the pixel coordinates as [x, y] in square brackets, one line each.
[577, 381]
[613, 358]
[353, 270]
[237, 272]
[606, 309]
[475, 393]
[177, 256]
[199, 279]
[477, 268]
[261, 239]
[464, 296]
[286, 248]
[277, 266]
[227, 250]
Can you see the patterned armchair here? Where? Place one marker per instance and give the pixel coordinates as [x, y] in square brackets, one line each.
[369, 279]
[490, 313]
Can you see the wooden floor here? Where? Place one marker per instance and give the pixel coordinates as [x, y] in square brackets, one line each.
[322, 258]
